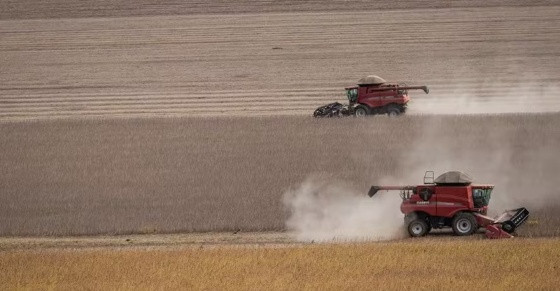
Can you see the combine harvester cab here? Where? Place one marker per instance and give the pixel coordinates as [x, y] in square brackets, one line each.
[371, 96]
[453, 201]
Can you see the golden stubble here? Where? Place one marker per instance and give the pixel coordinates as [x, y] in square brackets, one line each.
[423, 264]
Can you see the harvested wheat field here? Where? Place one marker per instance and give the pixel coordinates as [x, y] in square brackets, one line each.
[269, 61]
[433, 264]
[170, 145]
[90, 176]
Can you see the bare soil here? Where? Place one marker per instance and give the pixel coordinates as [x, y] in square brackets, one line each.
[150, 241]
[197, 240]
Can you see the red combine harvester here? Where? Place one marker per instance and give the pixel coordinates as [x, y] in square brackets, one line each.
[451, 200]
[371, 96]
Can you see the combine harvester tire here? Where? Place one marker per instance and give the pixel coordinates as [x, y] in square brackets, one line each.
[464, 224]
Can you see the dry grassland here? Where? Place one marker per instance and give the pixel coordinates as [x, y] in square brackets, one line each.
[111, 176]
[517, 264]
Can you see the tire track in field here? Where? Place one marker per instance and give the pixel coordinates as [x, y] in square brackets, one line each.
[485, 60]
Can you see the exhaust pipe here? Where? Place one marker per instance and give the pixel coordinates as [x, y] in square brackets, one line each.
[372, 191]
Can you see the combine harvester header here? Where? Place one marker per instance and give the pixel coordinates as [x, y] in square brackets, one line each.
[451, 200]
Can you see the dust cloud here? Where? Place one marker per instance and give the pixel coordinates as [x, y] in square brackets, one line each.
[526, 98]
[521, 160]
[326, 211]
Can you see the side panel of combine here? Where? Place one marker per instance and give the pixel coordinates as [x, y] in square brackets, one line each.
[453, 199]
[372, 97]
[424, 201]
